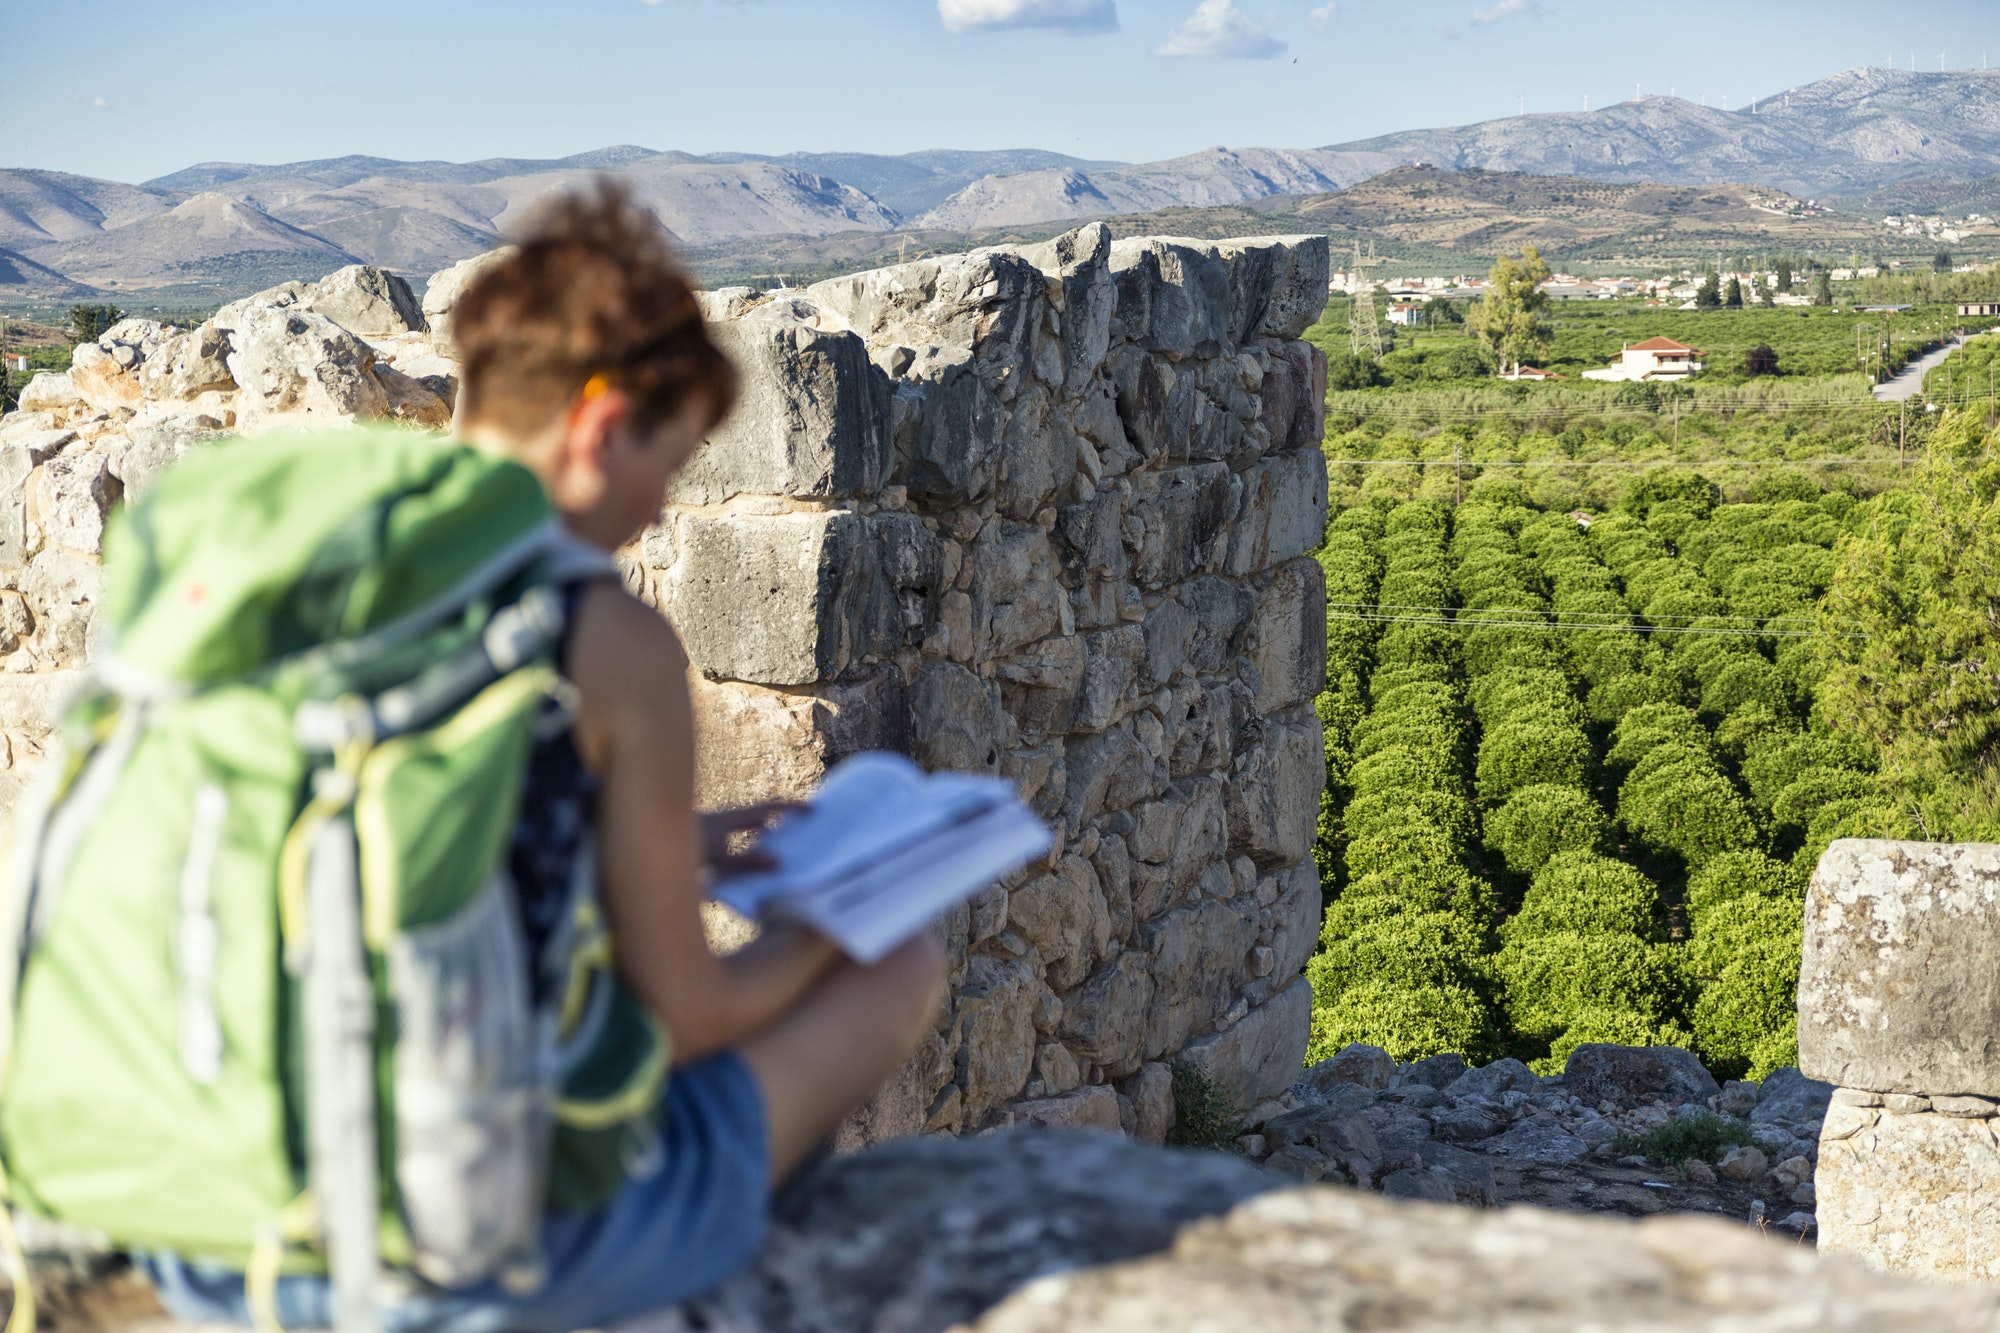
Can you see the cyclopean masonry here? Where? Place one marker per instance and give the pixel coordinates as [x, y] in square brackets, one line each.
[1899, 1006]
[1039, 511]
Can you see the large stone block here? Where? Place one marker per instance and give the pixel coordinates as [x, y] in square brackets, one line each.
[1915, 1194]
[1200, 955]
[1178, 521]
[1104, 1019]
[1080, 261]
[62, 590]
[1063, 915]
[791, 598]
[955, 720]
[1899, 986]
[1180, 295]
[1016, 598]
[812, 419]
[441, 293]
[1282, 512]
[996, 1018]
[73, 493]
[16, 463]
[1274, 794]
[1262, 1053]
[1278, 283]
[1288, 637]
[753, 743]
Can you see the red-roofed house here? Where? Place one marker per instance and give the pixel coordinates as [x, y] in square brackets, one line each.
[1653, 359]
[1530, 373]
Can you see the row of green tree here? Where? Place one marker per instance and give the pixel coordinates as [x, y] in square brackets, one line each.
[1578, 780]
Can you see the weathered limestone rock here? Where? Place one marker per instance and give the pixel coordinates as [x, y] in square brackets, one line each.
[1898, 991]
[755, 744]
[1323, 1258]
[444, 290]
[1917, 1194]
[187, 365]
[812, 418]
[291, 360]
[781, 599]
[1260, 1054]
[50, 390]
[1624, 1075]
[369, 301]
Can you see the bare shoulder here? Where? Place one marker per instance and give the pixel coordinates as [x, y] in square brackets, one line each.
[625, 659]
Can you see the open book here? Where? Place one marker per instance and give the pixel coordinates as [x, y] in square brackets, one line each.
[883, 849]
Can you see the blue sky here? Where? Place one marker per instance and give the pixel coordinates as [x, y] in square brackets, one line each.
[134, 90]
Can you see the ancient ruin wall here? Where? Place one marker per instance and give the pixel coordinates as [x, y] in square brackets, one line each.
[1038, 511]
[1899, 1006]
[1042, 512]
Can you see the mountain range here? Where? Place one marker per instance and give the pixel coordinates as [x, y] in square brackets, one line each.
[218, 228]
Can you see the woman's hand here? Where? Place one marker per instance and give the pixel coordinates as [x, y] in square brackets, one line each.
[723, 852]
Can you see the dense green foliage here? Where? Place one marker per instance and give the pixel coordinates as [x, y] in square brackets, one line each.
[1912, 623]
[1581, 762]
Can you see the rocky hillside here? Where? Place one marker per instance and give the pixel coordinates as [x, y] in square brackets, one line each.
[1497, 212]
[225, 228]
[1842, 135]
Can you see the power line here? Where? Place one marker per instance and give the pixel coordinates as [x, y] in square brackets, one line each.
[1536, 610]
[1641, 462]
[1551, 627]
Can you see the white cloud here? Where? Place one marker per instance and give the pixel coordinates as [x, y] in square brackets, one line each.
[1218, 28]
[1507, 9]
[1071, 16]
[1322, 15]
[99, 103]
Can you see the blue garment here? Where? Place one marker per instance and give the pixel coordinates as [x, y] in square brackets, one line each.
[664, 1239]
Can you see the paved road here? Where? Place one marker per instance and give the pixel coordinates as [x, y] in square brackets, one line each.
[1911, 381]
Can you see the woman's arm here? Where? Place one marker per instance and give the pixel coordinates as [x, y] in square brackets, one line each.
[635, 729]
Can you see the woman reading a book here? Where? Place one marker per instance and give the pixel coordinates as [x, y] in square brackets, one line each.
[585, 359]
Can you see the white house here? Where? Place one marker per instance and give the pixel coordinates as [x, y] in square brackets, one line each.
[1406, 313]
[1653, 359]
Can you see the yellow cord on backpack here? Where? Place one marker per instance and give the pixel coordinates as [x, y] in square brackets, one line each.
[328, 800]
[267, 1261]
[21, 1319]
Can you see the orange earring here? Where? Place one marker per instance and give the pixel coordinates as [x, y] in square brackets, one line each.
[595, 387]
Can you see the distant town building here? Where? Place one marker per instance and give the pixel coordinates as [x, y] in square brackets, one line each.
[1653, 359]
[1980, 309]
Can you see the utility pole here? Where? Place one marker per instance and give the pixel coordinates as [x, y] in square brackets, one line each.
[1458, 482]
[1903, 434]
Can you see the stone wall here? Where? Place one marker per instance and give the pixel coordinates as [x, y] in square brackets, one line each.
[1042, 512]
[1036, 511]
[1899, 1005]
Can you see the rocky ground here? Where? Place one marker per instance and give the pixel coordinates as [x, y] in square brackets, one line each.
[1594, 1138]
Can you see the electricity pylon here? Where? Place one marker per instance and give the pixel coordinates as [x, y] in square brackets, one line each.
[1362, 330]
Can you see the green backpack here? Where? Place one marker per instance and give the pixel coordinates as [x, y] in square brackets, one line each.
[273, 1005]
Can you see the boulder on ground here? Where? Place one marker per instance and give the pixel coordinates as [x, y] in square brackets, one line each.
[445, 287]
[291, 360]
[372, 302]
[50, 391]
[1369, 1066]
[1794, 1101]
[1625, 1076]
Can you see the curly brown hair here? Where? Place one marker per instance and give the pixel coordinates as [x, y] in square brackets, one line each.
[592, 291]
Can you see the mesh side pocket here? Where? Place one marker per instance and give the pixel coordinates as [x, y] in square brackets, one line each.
[473, 1105]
